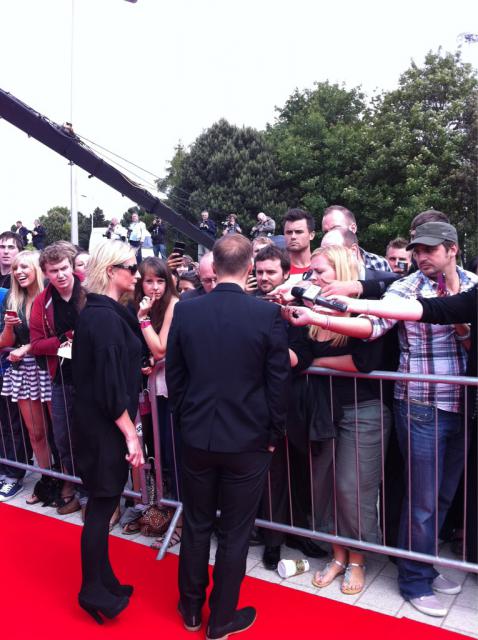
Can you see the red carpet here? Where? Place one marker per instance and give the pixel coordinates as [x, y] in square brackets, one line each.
[40, 566]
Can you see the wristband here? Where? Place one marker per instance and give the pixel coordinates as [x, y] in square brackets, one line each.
[145, 323]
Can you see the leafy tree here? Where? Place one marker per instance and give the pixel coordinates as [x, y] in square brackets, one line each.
[228, 169]
[57, 224]
[318, 137]
[421, 151]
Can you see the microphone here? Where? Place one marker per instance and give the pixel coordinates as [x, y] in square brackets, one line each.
[312, 295]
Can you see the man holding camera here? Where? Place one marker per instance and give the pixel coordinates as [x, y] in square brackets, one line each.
[158, 237]
[398, 257]
[207, 226]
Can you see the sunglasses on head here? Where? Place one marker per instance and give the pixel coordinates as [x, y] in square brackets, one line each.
[132, 268]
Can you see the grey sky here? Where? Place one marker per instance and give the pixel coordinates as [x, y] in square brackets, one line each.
[149, 74]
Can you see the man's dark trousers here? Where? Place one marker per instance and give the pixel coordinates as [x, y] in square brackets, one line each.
[241, 477]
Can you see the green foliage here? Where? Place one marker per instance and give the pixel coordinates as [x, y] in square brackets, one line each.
[318, 138]
[421, 151]
[57, 224]
[228, 169]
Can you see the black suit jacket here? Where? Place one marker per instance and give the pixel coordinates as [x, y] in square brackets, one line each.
[227, 371]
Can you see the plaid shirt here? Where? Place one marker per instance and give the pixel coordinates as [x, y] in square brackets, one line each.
[374, 262]
[427, 348]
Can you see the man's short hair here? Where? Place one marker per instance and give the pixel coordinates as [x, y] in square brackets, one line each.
[11, 235]
[431, 215]
[271, 252]
[293, 215]
[56, 252]
[397, 243]
[232, 255]
[346, 212]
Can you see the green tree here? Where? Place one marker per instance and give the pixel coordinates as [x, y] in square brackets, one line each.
[421, 151]
[227, 169]
[57, 224]
[318, 137]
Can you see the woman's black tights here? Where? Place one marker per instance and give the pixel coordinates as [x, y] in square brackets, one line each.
[98, 575]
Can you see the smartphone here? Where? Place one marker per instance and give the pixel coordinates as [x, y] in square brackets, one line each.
[179, 247]
[11, 314]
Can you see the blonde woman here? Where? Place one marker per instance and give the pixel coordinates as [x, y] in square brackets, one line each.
[107, 382]
[24, 382]
[347, 469]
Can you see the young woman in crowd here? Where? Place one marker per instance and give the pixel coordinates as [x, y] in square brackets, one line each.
[347, 467]
[106, 380]
[24, 382]
[80, 263]
[155, 298]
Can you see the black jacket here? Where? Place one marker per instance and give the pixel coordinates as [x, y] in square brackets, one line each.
[227, 371]
[107, 380]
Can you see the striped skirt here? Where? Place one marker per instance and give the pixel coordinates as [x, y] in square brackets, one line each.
[26, 381]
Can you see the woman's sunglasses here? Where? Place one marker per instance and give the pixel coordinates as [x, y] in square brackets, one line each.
[132, 268]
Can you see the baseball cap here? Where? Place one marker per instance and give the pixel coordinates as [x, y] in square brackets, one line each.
[433, 233]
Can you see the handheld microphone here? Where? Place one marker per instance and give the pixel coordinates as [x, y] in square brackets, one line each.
[312, 295]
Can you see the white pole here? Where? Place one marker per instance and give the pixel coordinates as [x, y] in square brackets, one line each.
[73, 202]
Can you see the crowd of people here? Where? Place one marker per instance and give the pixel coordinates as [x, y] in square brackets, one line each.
[81, 335]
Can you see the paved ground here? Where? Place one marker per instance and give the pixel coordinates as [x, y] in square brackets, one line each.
[380, 594]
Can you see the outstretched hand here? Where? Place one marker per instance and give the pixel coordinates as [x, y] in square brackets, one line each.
[298, 316]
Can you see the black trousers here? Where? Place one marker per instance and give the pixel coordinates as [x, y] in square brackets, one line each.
[233, 483]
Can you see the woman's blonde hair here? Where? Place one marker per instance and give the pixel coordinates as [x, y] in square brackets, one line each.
[18, 296]
[104, 255]
[346, 268]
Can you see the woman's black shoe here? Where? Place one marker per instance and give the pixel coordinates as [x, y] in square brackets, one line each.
[271, 557]
[109, 607]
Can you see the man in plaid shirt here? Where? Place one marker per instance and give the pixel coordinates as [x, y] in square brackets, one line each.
[337, 216]
[428, 417]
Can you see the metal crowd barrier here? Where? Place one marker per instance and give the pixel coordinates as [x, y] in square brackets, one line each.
[15, 440]
[22, 456]
[311, 531]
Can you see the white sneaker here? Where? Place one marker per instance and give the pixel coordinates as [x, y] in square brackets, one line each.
[430, 605]
[442, 584]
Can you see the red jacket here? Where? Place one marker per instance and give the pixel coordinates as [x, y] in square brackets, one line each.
[43, 338]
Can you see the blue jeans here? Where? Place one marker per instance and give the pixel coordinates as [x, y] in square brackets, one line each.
[159, 251]
[434, 465]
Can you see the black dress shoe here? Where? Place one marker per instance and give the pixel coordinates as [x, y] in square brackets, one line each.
[242, 620]
[191, 621]
[271, 557]
[308, 548]
[256, 539]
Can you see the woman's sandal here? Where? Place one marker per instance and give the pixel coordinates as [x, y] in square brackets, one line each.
[325, 571]
[174, 540]
[346, 587]
[33, 499]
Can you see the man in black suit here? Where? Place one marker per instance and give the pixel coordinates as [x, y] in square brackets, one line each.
[227, 375]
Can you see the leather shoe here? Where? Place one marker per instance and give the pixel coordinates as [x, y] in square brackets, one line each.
[256, 539]
[241, 620]
[191, 621]
[271, 557]
[308, 548]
